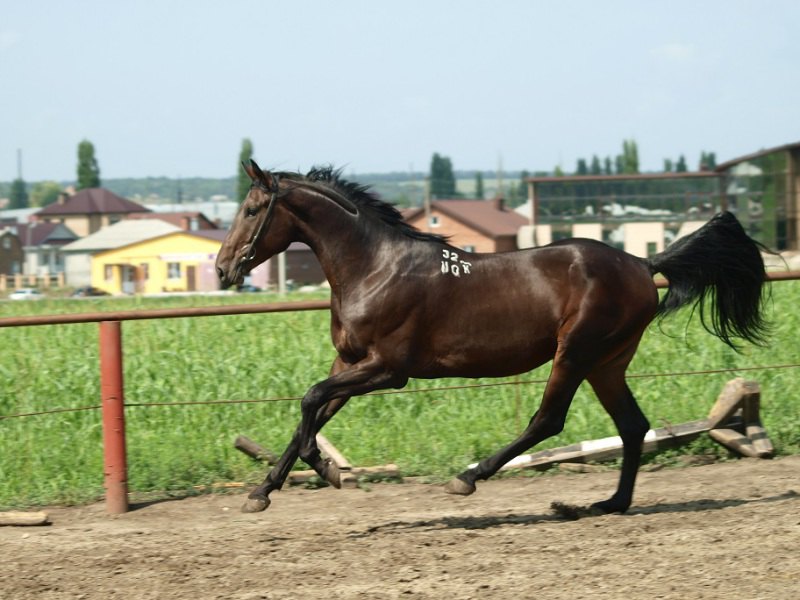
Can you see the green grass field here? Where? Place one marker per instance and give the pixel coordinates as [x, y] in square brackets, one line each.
[57, 458]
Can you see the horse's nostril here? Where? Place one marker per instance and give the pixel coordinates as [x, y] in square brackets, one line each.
[220, 273]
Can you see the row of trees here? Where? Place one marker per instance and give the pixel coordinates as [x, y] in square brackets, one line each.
[46, 192]
[627, 163]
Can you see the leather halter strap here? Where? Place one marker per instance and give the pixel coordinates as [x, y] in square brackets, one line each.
[263, 227]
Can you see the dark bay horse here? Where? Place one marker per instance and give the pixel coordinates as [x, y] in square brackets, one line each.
[406, 304]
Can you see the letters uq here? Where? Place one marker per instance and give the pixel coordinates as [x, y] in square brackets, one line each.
[453, 265]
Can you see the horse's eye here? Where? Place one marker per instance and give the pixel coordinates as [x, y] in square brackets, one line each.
[251, 211]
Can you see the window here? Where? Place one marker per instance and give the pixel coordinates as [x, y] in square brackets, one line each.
[433, 221]
[652, 249]
[144, 269]
[108, 272]
[469, 248]
[7, 242]
[174, 270]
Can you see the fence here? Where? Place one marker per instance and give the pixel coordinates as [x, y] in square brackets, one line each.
[111, 375]
[55, 280]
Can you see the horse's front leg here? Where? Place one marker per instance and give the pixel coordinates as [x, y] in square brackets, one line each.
[325, 399]
[362, 377]
[258, 499]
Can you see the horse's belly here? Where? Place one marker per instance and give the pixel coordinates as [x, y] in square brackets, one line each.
[497, 353]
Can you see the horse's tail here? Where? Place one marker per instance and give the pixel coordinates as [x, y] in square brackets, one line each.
[719, 269]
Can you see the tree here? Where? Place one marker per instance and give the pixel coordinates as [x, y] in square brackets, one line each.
[581, 168]
[607, 168]
[479, 185]
[680, 167]
[243, 181]
[18, 195]
[595, 168]
[443, 183]
[708, 161]
[668, 166]
[88, 169]
[630, 157]
[44, 193]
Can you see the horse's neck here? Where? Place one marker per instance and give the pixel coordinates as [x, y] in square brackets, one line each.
[346, 245]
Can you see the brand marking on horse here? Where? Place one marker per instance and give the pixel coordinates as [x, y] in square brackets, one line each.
[453, 265]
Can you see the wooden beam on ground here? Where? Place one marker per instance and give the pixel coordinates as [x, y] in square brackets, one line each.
[610, 447]
[390, 470]
[24, 518]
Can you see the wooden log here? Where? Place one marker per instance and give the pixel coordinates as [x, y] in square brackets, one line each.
[730, 399]
[390, 470]
[24, 518]
[735, 441]
[330, 452]
[754, 430]
[254, 450]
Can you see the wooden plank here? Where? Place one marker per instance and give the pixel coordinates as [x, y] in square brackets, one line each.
[330, 452]
[610, 447]
[24, 518]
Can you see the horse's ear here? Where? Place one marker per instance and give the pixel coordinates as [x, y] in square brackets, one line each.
[255, 173]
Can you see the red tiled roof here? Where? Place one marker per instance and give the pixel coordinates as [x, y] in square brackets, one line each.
[481, 215]
[93, 201]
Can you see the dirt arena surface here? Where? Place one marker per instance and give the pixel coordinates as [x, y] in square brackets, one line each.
[728, 530]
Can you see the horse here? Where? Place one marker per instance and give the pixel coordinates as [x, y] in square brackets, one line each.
[407, 304]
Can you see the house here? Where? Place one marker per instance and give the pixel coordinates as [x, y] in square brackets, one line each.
[11, 253]
[88, 211]
[173, 261]
[78, 254]
[473, 225]
[42, 243]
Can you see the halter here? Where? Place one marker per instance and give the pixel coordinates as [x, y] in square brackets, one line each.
[263, 227]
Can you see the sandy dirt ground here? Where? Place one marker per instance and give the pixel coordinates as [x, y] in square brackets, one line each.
[728, 530]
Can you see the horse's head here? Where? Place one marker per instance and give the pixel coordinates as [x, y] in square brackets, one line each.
[260, 230]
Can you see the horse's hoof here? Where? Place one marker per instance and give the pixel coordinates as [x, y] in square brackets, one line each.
[253, 505]
[333, 475]
[459, 487]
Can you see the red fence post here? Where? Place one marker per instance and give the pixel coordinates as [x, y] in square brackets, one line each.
[115, 469]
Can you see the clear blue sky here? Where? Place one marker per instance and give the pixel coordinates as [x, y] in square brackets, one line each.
[171, 88]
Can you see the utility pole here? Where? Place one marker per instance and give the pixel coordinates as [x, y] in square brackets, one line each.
[500, 186]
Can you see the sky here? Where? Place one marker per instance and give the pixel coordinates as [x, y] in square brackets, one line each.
[172, 88]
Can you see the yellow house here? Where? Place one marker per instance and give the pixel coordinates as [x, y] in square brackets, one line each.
[179, 261]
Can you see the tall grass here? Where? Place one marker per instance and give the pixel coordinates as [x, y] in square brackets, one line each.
[57, 458]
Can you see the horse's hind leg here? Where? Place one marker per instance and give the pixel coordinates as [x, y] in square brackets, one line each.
[616, 397]
[565, 377]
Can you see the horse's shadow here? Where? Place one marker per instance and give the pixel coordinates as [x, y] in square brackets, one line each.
[490, 521]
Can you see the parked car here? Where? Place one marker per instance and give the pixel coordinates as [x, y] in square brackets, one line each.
[26, 294]
[89, 291]
[246, 287]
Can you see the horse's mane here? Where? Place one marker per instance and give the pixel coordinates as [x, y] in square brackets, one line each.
[362, 197]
